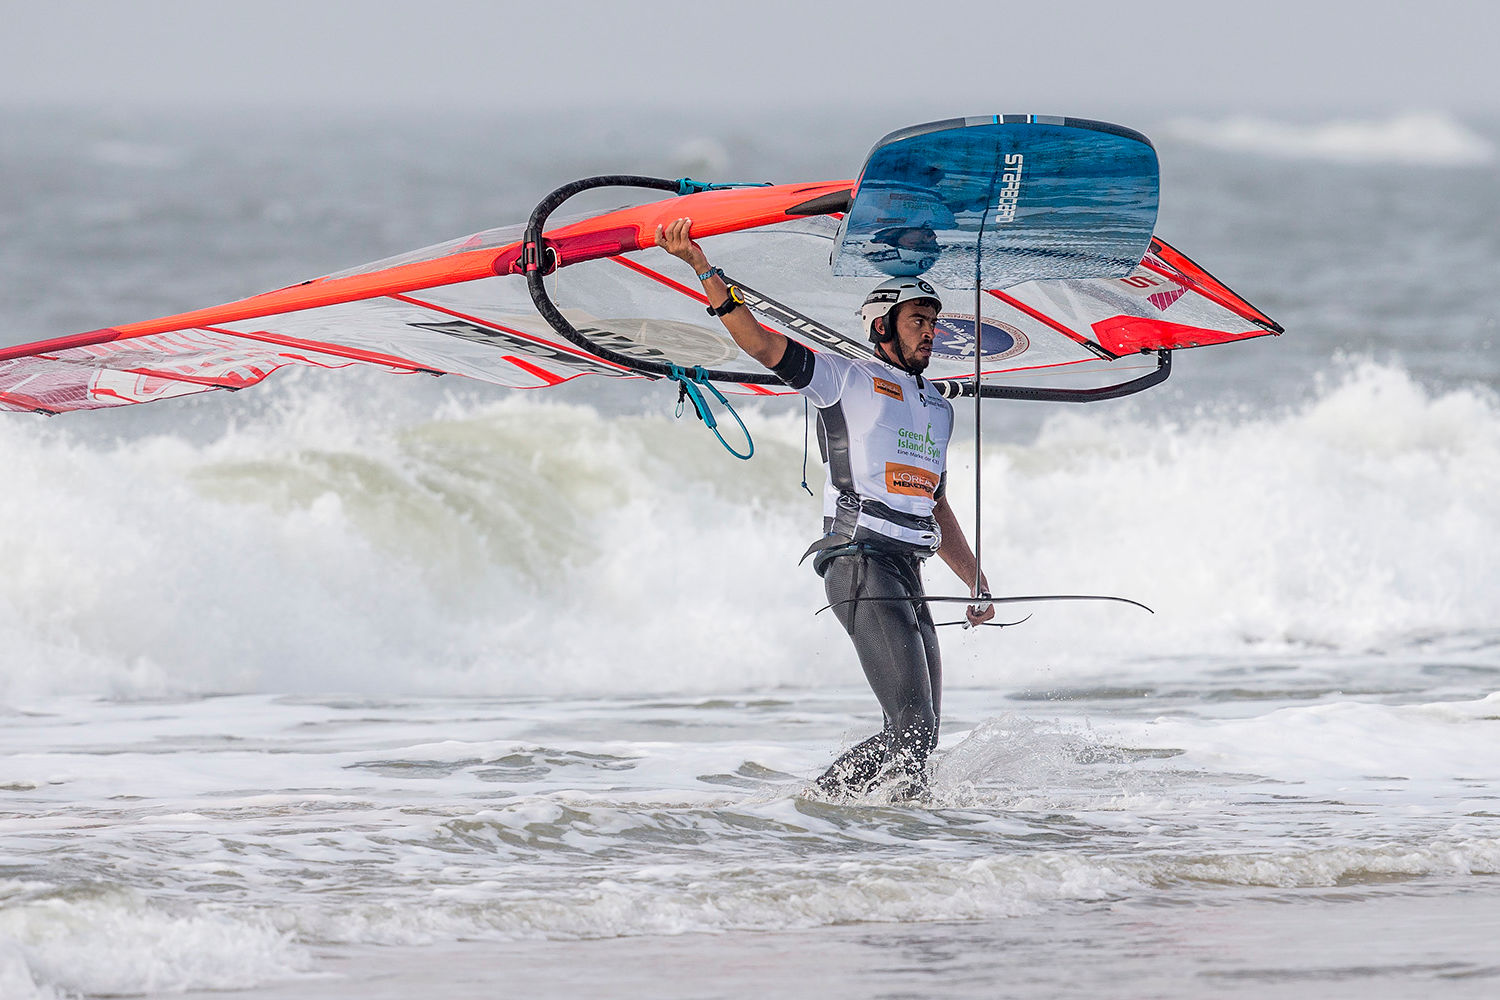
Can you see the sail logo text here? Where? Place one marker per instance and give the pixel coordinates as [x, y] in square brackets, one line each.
[809, 329]
[1010, 190]
[550, 358]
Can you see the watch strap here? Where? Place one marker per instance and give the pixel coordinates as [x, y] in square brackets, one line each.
[735, 300]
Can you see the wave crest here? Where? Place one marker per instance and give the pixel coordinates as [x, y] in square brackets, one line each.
[531, 547]
[1431, 139]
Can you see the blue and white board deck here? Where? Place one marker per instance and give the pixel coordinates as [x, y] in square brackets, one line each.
[1000, 200]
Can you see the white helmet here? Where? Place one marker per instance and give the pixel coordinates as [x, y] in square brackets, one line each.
[889, 294]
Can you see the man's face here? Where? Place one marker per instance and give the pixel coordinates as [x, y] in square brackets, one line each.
[916, 322]
[921, 238]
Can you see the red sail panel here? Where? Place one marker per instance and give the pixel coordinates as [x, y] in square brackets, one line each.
[1168, 260]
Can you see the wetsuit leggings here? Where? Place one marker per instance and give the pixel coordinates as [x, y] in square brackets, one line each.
[897, 646]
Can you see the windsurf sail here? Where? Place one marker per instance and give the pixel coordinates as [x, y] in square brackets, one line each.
[621, 308]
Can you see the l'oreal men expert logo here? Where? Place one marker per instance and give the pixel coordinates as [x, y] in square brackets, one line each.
[910, 480]
[890, 389]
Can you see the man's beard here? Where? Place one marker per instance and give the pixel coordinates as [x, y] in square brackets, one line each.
[896, 355]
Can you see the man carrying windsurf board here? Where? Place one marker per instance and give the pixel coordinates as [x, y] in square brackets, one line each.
[883, 431]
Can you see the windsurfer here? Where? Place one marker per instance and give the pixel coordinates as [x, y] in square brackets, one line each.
[883, 432]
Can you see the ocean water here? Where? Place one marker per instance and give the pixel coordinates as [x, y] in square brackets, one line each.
[358, 685]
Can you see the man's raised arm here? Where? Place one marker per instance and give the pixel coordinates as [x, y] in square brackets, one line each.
[765, 346]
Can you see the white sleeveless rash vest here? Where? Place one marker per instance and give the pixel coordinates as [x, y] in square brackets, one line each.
[883, 433]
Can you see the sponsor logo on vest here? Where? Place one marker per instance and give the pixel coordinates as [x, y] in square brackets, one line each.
[909, 480]
[890, 389]
[918, 444]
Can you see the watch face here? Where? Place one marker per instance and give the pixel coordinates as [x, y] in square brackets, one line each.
[736, 294]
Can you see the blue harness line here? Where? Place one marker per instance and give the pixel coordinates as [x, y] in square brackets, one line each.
[688, 380]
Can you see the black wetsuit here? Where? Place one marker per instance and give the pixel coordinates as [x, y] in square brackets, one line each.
[883, 435]
[898, 648]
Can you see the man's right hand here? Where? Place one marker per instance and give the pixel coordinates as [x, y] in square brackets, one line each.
[765, 346]
[675, 240]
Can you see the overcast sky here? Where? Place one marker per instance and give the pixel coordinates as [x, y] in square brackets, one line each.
[934, 56]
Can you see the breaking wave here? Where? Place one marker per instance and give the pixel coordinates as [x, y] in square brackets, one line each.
[532, 546]
[1427, 139]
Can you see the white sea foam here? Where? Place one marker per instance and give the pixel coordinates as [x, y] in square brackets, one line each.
[1348, 523]
[17, 980]
[769, 896]
[314, 823]
[524, 546]
[528, 546]
[1432, 139]
[157, 953]
[111, 942]
[1405, 749]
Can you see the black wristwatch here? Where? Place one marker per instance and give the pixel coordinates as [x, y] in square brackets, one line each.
[735, 300]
